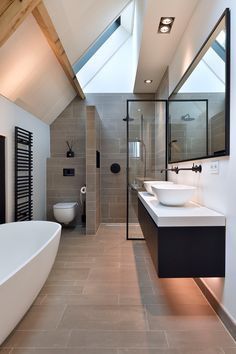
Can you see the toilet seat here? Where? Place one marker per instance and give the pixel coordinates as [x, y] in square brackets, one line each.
[65, 212]
[65, 205]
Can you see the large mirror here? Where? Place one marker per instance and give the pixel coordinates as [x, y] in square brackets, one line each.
[198, 119]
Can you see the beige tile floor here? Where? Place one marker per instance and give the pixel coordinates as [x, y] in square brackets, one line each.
[103, 297]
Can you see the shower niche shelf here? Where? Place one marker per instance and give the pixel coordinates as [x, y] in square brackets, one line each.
[184, 241]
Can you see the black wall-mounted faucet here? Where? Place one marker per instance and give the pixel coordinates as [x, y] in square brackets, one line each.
[194, 168]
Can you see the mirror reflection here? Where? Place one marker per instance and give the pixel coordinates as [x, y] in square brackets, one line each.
[188, 129]
[198, 124]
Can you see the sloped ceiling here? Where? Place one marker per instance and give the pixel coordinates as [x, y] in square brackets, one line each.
[80, 22]
[157, 49]
[31, 75]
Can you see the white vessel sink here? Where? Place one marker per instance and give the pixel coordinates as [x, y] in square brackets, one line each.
[173, 194]
[148, 185]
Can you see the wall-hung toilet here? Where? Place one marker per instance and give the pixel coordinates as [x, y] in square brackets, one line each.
[65, 212]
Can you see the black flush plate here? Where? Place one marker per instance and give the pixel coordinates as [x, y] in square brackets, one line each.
[68, 172]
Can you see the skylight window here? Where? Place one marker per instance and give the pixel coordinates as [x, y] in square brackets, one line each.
[221, 38]
[105, 49]
[96, 45]
[211, 67]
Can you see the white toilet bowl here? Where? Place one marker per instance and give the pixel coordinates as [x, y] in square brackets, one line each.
[65, 212]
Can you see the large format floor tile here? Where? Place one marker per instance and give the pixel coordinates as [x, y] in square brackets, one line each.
[64, 351]
[104, 317]
[103, 297]
[118, 339]
[42, 318]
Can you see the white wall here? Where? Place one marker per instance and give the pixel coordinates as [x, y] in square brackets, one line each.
[215, 191]
[31, 76]
[139, 15]
[11, 116]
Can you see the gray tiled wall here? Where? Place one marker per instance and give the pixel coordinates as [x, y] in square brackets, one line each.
[112, 109]
[92, 172]
[216, 123]
[70, 125]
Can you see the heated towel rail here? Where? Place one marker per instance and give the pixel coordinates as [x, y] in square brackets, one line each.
[23, 174]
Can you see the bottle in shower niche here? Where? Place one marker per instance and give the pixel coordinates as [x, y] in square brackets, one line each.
[70, 152]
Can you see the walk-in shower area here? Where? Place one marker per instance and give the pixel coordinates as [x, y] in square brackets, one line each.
[146, 153]
[160, 132]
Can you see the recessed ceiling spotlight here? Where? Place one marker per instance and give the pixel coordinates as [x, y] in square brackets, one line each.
[165, 24]
[167, 20]
[164, 29]
[148, 81]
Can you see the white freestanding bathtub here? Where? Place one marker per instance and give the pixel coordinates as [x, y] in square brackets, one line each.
[27, 253]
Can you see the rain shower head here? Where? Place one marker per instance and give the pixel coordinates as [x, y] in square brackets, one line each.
[187, 118]
[172, 142]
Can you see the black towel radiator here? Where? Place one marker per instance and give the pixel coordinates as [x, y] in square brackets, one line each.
[23, 174]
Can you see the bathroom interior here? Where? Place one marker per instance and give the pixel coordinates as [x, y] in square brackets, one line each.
[117, 168]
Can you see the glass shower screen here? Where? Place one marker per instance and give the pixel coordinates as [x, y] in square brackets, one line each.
[146, 153]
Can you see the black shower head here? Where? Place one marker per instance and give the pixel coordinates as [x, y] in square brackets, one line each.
[187, 118]
[128, 118]
[172, 142]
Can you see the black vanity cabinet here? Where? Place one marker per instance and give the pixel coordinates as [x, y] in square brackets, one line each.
[179, 251]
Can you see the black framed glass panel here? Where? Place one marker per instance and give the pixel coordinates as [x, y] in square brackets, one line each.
[146, 154]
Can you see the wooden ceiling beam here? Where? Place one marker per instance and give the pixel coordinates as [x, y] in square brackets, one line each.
[12, 14]
[44, 21]
[4, 4]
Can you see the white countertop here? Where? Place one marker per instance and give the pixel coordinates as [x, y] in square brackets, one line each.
[191, 214]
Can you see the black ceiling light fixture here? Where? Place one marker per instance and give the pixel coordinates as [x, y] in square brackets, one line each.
[165, 24]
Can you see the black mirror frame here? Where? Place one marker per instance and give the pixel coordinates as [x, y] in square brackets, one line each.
[226, 152]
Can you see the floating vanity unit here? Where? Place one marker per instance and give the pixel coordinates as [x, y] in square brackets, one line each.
[187, 241]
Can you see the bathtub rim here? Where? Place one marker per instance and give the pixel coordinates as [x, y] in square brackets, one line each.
[22, 265]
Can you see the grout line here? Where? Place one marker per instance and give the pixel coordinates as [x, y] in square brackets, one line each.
[166, 336]
[83, 290]
[43, 299]
[146, 316]
[118, 295]
[68, 339]
[62, 314]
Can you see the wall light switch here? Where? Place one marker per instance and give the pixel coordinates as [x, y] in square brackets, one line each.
[214, 167]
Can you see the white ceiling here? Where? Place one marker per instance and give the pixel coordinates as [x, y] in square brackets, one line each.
[157, 49]
[31, 75]
[80, 22]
